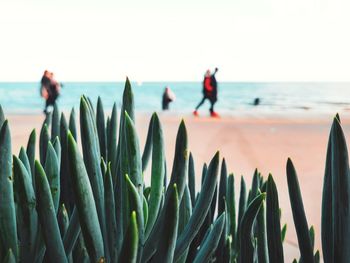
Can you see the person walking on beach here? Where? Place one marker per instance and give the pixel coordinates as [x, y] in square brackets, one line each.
[50, 89]
[209, 92]
[168, 96]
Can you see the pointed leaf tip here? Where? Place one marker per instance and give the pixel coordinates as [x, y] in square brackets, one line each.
[337, 117]
[126, 114]
[182, 123]
[5, 123]
[155, 116]
[39, 167]
[290, 164]
[133, 214]
[83, 102]
[127, 84]
[70, 135]
[336, 121]
[33, 133]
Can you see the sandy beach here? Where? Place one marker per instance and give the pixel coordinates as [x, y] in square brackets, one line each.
[246, 142]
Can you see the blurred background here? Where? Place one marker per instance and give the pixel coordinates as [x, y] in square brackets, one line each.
[292, 55]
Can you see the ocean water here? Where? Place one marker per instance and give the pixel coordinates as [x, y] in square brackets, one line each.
[233, 97]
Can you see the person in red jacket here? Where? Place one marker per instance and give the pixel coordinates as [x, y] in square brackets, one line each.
[209, 92]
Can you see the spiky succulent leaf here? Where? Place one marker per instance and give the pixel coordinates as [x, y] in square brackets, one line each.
[24, 159]
[222, 187]
[185, 212]
[201, 208]
[273, 225]
[262, 247]
[178, 177]
[300, 221]
[157, 173]
[283, 232]
[134, 157]
[31, 151]
[112, 139]
[246, 245]
[211, 241]
[10, 257]
[43, 141]
[55, 123]
[135, 204]
[2, 117]
[192, 179]
[91, 154]
[63, 220]
[27, 217]
[312, 236]
[52, 172]
[128, 253]
[72, 234]
[110, 214]
[8, 228]
[66, 195]
[231, 207]
[85, 203]
[47, 217]
[167, 242]
[72, 124]
[242, 200]
[101, 128]
[336, 198]
[148, 145]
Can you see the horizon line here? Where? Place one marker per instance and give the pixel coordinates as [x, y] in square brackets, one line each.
[177, 81]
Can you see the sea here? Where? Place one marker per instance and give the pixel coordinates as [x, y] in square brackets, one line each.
[233, 97]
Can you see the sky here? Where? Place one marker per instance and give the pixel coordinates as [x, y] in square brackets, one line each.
[162, 40]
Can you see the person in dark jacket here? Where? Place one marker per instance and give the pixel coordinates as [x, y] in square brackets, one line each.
[168, 96]
[210, 92]
[50, 89]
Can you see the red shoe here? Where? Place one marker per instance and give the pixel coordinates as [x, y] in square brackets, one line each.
[214, 115]
[195, 113]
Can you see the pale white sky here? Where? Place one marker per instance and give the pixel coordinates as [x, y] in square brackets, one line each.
[104, 40]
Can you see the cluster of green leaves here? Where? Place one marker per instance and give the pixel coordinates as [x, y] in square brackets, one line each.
[94, 206]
